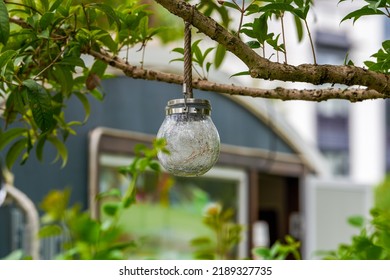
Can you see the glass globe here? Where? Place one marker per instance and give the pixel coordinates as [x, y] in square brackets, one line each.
[192, 138]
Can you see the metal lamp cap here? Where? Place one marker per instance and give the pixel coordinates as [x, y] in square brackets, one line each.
[188, 106]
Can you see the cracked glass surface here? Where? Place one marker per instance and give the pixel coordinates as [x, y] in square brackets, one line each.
[193, 142]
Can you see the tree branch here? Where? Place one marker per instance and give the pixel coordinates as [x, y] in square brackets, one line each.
[376, 83]
[352, 95]
[262, 68]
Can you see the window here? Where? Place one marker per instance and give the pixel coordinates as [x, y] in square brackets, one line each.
[333, 115]
[169, 210]
[168, 213]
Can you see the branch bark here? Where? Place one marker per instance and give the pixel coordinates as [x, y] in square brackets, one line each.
[352, 95]
[262, 68]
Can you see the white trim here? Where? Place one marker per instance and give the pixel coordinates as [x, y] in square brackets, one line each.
[32, 219]
[311, 186]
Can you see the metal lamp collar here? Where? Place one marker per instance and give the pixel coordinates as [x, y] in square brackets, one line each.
[188, 106]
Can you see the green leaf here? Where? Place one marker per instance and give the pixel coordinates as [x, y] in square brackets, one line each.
[260, 29]
[155, 165]
[386, 46]
[299, 3]
[243, 73]
[97, 94]
[63, 7]
[111, 208]
[219, 55]
[140, 149]
[178, 50]
[365, 11]
[55, 5]
[14, 152]
[39, 147]
[15, 255]
[231, 5]
[356, 221]
[206, 53]
[46, 20]
[6, 57]
[110, 193]
[99, 68]
[45, 4]
[72, 61]
[253, 44]
[299, 28]
[280, 7]
[40, 103]
[63, 76]
[143, 27]
[374, 252]
[208, 66]
[198, 56]
[142, 164]
[4, 23]
[84, 101]
[10, 135]
[30, 4]
[110, 13]
[201, 241]
[262, 253]
[105, 37]
[50, 231]
[176, 59]
[61, 149]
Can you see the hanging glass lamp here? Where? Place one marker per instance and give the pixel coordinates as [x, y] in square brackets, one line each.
[192, 138]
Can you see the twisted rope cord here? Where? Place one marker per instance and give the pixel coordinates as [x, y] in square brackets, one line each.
[187, 86]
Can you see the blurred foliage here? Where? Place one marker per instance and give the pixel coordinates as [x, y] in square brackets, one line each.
[96, 239]
[16, 255]
[226, 235]
[279, 250]
[373, 241]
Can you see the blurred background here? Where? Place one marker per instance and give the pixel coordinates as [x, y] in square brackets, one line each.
[286, 168]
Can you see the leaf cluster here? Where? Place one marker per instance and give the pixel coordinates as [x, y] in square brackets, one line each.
[144, 160]
[226, 234]
[42, 67]
[199, 58]
[372, 243]
[373, 240]
[279, 250]
[83, 237]
[381, 8]
[258, 29]
[382, 57]
[373, 7]
[89, 238]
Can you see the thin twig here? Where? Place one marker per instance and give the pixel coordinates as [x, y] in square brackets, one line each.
[242, 11]
[284, 38]
[51, 64]
[86, 17]
[311, 42]
[23, 5]
[388, 12]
